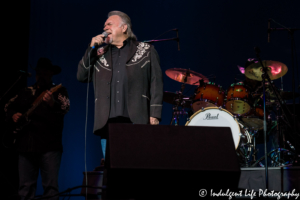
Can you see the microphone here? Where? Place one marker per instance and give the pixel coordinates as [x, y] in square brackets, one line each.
[269, 30]
[105, 36]
[25, 73]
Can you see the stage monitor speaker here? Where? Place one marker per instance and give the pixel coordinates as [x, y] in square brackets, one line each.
[169, 162]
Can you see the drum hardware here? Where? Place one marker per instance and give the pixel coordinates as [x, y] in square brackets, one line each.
[255, 151]
[276, 158]
[273, 69]
[177, 99]
[267, 71]
[176, 111]
[173, 98]
[251, 121]
[186, 76]
[176, 115]
[253, 134]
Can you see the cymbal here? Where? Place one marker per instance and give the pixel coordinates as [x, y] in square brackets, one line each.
[275, 70]
[252, 122]
[173, 98]
[192, 78]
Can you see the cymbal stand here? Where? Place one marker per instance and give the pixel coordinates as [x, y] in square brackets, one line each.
[175, 115]
[176, 112]
[283, 143]
[179, 102]
[254, 146]
[279, 131]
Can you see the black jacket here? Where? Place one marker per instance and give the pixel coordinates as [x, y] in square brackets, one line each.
[145, 84]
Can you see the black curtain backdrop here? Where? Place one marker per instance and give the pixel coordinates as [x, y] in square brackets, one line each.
[215, 37]
[15, 20]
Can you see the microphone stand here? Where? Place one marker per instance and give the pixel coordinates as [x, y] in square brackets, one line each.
[11, 86]
[162, 40]
[264, 76]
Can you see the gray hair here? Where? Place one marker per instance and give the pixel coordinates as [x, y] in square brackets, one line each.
[125, 20]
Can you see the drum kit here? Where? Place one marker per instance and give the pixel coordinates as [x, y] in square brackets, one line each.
[239, 107]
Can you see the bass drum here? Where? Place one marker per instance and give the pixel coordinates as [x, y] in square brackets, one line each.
[216, 117]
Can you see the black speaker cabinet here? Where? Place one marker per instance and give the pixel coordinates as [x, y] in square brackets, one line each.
[169, 162]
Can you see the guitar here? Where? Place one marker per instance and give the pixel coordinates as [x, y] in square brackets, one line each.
[24, 120]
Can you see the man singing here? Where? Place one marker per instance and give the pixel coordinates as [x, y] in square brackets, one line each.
[127, 77]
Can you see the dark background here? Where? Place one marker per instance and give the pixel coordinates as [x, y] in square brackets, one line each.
[215, 37]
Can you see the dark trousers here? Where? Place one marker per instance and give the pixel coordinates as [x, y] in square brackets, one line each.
[29, 165]
[105, 130]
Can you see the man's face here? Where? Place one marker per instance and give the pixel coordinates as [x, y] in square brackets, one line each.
[43, 76]
[114, 30]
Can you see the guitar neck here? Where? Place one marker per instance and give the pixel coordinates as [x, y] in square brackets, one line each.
[39, 100]
[29, 112]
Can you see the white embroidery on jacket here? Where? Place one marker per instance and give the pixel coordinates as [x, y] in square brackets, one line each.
[104, 61]
[139, 60]
[103, 66]
[141, 49]
[65, 102]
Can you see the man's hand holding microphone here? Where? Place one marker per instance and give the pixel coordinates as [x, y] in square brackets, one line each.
[98, 40]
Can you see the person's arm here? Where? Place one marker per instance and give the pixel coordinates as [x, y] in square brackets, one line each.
[12, 109]
[88, 60]
[85, 66]
[156, 90]
[61, 102]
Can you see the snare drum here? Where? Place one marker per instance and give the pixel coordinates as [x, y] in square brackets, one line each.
[238, 97]
[208, 95]
[216, 117]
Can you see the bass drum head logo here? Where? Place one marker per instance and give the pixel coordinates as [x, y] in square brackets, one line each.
[208, 116]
